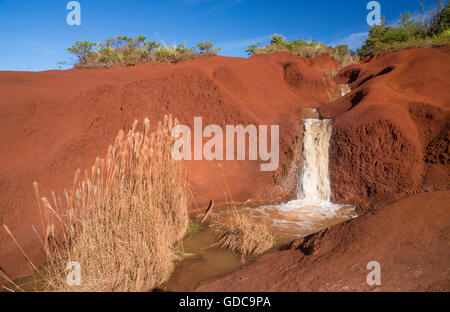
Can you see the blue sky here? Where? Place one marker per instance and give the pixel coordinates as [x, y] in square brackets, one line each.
[34, 34]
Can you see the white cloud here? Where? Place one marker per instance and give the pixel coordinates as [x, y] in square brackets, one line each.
[242, 43]
[354, 41]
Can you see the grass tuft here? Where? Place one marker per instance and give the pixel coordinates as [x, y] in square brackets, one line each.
[243, 234]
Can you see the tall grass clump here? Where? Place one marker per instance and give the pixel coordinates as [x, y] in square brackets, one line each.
[278, 43]
[410, 33]
[121, 219]
[125, 50]
[244, 234]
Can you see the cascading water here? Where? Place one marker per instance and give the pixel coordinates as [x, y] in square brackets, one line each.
[314, 186]
[312, 210]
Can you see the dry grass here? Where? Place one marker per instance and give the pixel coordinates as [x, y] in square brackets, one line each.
[348, 60]
[122, 219]
[310, 49]
[244, 234]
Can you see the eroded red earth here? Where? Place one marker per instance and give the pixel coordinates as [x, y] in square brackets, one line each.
[390, 140]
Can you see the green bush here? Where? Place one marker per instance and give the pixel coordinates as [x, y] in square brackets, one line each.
[173, 54]
[252, 48]
[83, 50]
[277, 39]
[440, 21]
[278, 43]
[207, 47]
[129, 51]
[409, 33]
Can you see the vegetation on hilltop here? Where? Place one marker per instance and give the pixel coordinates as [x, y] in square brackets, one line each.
[129, 51]
[409, 33]
[278, 43]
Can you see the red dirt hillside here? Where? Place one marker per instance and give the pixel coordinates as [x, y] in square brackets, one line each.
[391, 133]
[57, 121]
[409, 239]
[390, 140]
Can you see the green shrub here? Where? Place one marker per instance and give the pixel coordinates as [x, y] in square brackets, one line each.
[252, 48]
[129, 51]
[439, 22]
[173, 54]
[83, 50]
[277, 39]
[409, 33]
[278, 43]
[207, 47]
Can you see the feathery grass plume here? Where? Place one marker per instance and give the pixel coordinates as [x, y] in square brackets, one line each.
[122, 219]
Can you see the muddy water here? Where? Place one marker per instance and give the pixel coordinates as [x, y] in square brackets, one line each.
[202, 261]
[290, 221]
[311, 213]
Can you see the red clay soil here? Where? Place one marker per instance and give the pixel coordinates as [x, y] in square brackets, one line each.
[54, 122]
[390, 140]
[391, 133]
[410, 240]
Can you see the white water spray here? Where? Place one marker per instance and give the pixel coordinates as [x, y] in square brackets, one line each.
[314, 185]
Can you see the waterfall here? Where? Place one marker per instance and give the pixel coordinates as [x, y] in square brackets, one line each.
[312, 210]
[314, 186]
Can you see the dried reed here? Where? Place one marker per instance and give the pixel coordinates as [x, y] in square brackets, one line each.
[121, 221]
